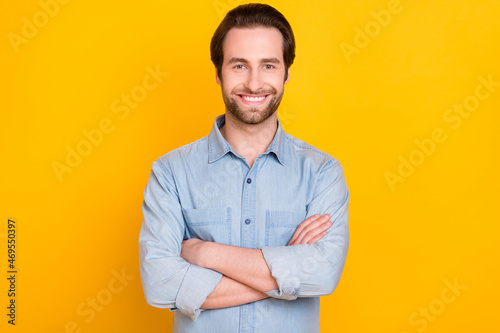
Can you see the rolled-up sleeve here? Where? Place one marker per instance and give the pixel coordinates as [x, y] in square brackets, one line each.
[314, 270]
[168, 280]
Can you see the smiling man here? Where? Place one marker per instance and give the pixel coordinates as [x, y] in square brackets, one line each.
[246, 228]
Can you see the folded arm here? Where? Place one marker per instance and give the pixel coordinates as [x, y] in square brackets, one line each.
[230, 292]
[248, 266]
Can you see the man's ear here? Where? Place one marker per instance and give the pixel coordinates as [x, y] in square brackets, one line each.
[288, 75]
[217, 79]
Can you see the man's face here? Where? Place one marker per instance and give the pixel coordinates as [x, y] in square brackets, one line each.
[252, 73]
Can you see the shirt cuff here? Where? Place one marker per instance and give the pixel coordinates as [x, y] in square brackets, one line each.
[282, 262]
[197, 284]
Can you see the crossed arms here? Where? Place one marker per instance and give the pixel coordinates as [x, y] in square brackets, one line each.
[246, 275]
[193, 275]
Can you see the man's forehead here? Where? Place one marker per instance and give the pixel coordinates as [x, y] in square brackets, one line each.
[253, 43]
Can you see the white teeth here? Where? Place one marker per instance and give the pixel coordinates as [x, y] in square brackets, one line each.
[253, 99]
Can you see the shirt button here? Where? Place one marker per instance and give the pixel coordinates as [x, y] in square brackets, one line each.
[249, 180]
[247, 221]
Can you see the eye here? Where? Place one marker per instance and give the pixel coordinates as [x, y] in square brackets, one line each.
[268, 66]
[238, 67]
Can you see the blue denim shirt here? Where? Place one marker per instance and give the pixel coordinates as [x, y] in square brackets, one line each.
[207, 190]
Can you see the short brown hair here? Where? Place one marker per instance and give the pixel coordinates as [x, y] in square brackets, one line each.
[253, 15]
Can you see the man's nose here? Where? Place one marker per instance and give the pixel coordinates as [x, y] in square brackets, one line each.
[254, 80]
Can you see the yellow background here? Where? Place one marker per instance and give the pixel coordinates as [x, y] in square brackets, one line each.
[441, 224]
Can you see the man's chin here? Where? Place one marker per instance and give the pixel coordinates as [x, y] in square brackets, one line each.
[252, 117]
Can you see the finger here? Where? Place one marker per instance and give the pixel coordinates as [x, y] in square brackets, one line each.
[311, 226]
[311, 231]
[315, 232]
[302, 225]
[317, 238]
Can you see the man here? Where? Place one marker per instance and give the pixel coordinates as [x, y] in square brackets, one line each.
[245, 228]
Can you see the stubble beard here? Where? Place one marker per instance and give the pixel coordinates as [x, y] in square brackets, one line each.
[253, 115]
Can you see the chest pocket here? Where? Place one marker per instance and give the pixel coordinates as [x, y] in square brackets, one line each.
[209, 224]
[280, 226]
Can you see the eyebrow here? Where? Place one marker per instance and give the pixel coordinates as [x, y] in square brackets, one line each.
[245, 61]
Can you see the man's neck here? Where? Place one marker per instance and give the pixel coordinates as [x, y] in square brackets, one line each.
[249, 140]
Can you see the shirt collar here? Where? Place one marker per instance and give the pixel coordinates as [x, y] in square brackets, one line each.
[218, 146]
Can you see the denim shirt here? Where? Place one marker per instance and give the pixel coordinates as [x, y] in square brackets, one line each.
[207, 190]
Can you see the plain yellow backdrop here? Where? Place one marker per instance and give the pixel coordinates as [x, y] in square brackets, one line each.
[406, 95]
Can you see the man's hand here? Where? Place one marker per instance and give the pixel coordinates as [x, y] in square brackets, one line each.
[190, 251]
[311, 230]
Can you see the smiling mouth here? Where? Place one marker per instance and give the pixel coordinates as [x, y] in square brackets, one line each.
[253, 100]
